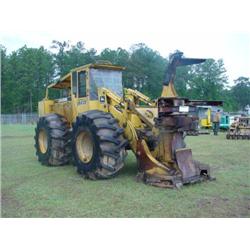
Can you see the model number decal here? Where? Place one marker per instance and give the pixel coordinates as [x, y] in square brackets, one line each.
[81, 102]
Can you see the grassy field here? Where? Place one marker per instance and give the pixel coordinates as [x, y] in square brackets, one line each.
[32, 190]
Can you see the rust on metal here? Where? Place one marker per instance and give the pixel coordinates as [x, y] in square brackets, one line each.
[239, 129]
[185, 163]
[144, 163]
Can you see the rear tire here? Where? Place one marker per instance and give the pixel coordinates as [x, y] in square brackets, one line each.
[98, 145]
[52, 140]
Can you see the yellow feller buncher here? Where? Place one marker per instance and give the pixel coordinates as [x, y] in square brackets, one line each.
[97, 121]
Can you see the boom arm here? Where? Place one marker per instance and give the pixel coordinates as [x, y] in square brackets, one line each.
[139, 96]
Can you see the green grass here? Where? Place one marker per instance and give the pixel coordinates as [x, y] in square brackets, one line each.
[32, 190]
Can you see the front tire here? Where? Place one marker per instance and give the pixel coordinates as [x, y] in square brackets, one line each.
[98, 145]
[52, 140]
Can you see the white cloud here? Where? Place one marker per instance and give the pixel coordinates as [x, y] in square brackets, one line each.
[213, 29]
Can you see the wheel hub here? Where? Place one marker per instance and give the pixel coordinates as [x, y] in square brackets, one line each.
[43, 141]
[84, 146]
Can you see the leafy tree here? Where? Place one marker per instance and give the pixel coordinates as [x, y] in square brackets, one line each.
[241, 92]
[69, 56]
[182, 80]
[145, 70]
[207, 80]
[119, 57]
[229, 103]
[60, 57]
[4, 79]
[27, 71]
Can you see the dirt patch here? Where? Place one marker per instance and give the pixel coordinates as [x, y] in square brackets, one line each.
[219, 204]
[244, 185]
[8, 203]
[8, 200]
[22, 180]
[215, 201]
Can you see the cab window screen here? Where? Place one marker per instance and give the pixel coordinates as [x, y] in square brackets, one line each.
[82, 84]
[110, 79]
[74, 82]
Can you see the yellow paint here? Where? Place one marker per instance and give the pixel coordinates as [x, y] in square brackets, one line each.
[45, 107]
[43, 141]
[147, 115]
[84, 146]
[206, 122]
[169, 90]
[127, 110]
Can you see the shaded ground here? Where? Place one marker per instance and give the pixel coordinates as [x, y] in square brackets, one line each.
[32, 190]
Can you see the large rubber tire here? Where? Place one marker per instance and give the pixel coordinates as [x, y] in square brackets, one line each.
[107, 141]
[58, 145]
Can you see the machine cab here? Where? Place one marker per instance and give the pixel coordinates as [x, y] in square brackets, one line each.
[80, 88]
[88, 79]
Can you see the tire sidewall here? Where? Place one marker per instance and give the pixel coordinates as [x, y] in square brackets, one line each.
[43, 157]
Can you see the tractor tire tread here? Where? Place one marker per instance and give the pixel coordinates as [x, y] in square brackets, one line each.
[110, 144]
[59, 140]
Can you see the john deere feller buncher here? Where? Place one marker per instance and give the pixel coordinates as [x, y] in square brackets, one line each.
[98, 120]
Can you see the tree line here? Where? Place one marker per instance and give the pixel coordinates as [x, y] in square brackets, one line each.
[27, 71]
